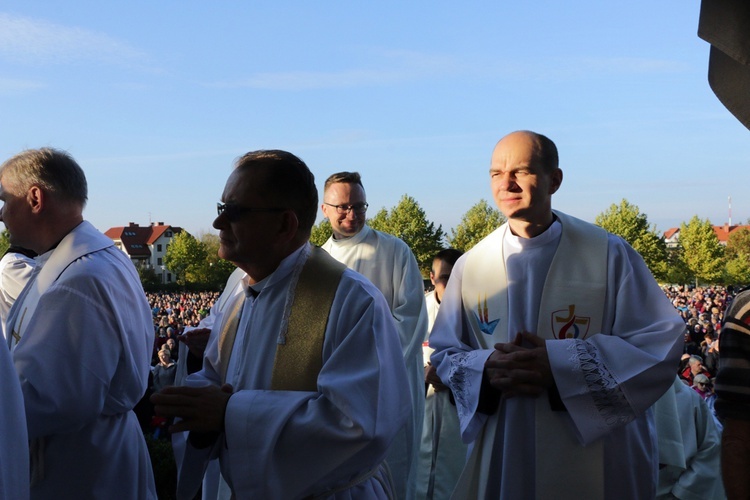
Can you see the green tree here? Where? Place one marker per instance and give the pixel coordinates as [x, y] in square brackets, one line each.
[738, 257]
[4, 241]
[186, 257]
[677, 270]
[215, 270]
[627, 221]
[479, 221]
[738, 270]
[701, 250]
[321, 232]
[149, 280]
[409, 222]
[738, 243]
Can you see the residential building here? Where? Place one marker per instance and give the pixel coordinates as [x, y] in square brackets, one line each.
[672, 235]
[146, 246]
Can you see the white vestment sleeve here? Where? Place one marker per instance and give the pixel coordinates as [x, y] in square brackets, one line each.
[608, 379]
[68, 378]
[459, 361]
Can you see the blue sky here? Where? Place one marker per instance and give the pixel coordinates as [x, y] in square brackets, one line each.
[156, 100]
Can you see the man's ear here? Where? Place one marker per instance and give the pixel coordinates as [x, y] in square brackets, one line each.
[289, 224]
[36, 199]
[324, 208]
[557, 178]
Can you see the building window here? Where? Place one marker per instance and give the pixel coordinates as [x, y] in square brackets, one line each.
[158, 248]
[169, 277]
[168, 234]
[158, 261]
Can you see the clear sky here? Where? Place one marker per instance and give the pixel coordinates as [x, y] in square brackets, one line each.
[155, 99]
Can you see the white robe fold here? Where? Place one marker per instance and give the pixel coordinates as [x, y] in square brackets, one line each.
[689, 446]
[634, 355]
[291, 444]
[390, 265]
[14, 445]
[213, 485]
[83, 363]
[442, 454]
[15, 271]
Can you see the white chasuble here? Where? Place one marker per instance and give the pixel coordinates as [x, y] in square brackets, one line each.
[571, 306]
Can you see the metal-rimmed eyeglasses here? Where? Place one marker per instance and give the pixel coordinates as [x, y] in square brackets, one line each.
[234, 212]
[357, 208]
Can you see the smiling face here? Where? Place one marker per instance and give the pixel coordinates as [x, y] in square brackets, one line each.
[344, 193]
[522, 185]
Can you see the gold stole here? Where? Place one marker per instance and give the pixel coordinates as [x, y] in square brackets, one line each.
[572, 306]
[299, 359]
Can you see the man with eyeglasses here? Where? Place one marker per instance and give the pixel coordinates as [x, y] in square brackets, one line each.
[300, 392]
[390, 264]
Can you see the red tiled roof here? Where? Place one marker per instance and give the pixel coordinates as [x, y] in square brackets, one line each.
[136, 239]
[722, 232]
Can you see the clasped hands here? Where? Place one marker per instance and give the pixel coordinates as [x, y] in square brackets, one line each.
[200, 409]
[521, 367]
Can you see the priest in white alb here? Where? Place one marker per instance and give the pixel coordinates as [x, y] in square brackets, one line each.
[556, 341]
[300, 393]
[390, 265]
[81, 333]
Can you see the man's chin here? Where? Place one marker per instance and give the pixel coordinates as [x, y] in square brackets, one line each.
[348, 232]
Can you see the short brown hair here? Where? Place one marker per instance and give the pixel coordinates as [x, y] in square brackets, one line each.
[287, 179]
[343, 177]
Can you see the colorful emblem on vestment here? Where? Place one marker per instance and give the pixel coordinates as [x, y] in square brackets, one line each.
[566, 325]
[482, 315]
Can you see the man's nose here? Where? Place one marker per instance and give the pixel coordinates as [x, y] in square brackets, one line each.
[508, 182]
[351, 214]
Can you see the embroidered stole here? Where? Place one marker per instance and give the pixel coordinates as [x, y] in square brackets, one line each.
[299, 358]
[571, 307]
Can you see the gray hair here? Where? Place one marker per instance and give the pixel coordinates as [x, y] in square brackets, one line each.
[53, 170]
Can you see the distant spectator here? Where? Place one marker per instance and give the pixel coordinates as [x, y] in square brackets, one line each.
[694, 367]
[702, 385]
[164, 371]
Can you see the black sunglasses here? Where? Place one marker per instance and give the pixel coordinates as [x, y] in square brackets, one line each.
[234, 212]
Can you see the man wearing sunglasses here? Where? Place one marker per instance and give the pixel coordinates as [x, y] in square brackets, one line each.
[390, 265]
[300, 394]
